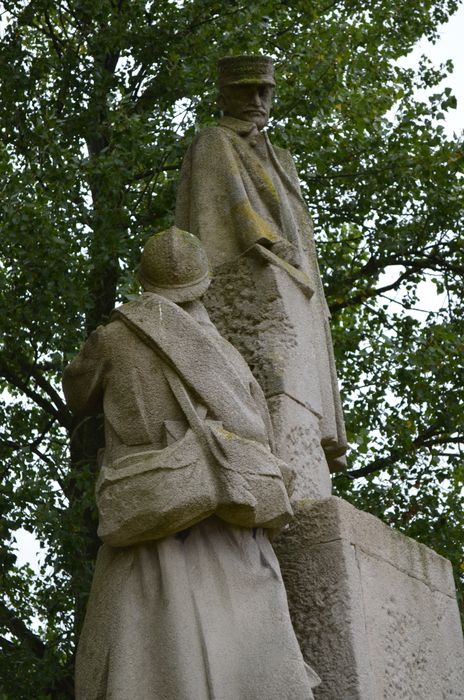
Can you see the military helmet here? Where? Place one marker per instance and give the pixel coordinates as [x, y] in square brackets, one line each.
[174, 264]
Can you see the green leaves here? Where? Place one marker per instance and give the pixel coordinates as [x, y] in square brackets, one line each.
[99, 100]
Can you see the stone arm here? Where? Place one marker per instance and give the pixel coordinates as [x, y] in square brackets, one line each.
[83, 379]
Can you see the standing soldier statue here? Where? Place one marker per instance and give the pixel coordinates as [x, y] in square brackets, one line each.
[241, 196]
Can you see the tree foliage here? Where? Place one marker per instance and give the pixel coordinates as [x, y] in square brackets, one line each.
[99, 100]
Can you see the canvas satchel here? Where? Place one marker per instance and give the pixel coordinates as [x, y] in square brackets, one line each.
[249, 479]
[149, 494]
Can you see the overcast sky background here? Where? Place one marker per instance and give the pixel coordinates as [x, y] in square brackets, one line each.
[450, 45]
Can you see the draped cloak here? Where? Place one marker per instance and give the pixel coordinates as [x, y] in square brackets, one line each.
[237, 190]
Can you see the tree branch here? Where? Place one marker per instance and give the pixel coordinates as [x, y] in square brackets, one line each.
[21, 632]
[423, 440]
[16, 446]
[33, 371]
[28, 639]
[61, 413]
[374, 266]
[55, 41]
[6, 644]
[363, 296]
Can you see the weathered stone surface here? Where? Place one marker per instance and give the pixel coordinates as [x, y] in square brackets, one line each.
[298, 444]
[244, 303]
[374, 611]
[264, 313]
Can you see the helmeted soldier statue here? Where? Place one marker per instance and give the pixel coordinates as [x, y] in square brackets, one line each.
[187, 600]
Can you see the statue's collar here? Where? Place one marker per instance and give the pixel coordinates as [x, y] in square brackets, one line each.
[247, 130]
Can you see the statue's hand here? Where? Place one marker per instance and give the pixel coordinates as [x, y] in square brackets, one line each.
[286, 251]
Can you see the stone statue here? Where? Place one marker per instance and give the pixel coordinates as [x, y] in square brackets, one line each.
[240, 195]
[187, 601]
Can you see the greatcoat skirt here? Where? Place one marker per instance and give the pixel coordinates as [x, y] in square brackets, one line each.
[201, 615]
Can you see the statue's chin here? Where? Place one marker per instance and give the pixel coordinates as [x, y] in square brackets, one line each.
[260, 121]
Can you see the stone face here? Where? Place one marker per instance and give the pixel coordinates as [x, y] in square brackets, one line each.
[374, 611]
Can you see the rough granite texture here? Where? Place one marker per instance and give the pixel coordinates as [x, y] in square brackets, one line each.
[298, 444]
[264, 314]
[374, 611]
[244, 303]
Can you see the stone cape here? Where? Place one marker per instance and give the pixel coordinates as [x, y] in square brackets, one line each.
[192, 616]
[237, 190]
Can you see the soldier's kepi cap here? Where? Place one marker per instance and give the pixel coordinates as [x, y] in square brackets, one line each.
[245, 70]
[174, 264]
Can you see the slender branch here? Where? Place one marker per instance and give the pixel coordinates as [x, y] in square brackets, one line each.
[444, 441]
[31, 641]
[61, 413]
[6, 644]
[151, 172]
[361, 297]
[61, 20]
[34, 371]
[55, 41]
[18, 447]
[423, 440]
[21, 632]
[372, 267]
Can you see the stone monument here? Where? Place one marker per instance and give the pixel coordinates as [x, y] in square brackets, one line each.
[187, 601]
[374, 611]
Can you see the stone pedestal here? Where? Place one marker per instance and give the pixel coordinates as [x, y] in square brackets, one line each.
[374, 611]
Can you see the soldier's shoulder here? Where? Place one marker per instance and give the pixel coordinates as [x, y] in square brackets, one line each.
[117, 339]
[212, 133]
[120, 313]
[284, 156]
[95, 343]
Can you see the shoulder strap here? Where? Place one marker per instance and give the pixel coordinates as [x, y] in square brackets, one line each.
[190, 352]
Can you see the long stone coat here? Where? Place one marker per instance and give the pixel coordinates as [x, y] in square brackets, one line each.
[235, 191]
[199, 615]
